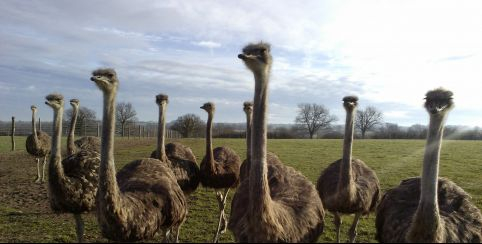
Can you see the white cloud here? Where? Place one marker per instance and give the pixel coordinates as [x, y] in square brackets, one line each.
[208, 44]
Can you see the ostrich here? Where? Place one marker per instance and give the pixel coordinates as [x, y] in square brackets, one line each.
[275, 203]
[244, 169]
[144, 197]
[348, 185]
[84, 143]
[73, 181]
[180, 158]
[38, 145]
[429, 208]
[219, 169]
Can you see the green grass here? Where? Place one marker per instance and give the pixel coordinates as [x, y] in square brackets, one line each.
[24, 220]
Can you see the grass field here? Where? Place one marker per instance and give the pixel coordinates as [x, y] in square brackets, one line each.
[25, 215]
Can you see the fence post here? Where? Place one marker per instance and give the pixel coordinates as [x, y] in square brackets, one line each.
[128, 132]
[139, 131]
[85, 127]
[39, 125]
[13, 133]
[98, 129]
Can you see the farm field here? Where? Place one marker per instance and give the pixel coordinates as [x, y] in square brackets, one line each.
[25, 215]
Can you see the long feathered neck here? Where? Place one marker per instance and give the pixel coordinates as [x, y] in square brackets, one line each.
[56, 171]
[70, 138]
[161, 150]
[209, 140]
[259, 193]
[426, 225]
[109, 193]
[249, 117]
[34, 127]
[345, 183]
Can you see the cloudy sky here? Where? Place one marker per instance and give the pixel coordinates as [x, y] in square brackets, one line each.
[389, 53]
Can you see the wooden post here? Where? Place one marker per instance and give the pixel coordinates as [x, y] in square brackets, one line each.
[98, 129]
[128, 132]
[85, 127]
[39, 124]
[139, 131]
[13, 133]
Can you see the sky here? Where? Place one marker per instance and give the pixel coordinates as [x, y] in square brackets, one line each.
[388, 53]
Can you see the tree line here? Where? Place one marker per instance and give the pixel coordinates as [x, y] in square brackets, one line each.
[312, 121]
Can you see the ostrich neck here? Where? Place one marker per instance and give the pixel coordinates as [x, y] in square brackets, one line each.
[427, 216]
[34, 128]
[259, 193]
[56, 171]
[248, 135]
[161, 150]
[209, 141]
[70, 138]
[345, 183]
[108, 189]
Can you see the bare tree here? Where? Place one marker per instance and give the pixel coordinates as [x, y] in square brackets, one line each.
[367, 119]
[125, 112]
[84, 116]
[313, 117]
[188, 125]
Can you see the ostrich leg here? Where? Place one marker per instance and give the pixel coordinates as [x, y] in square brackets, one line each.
[337, 225]
[79, 227]
[43, 169]
[352, 233]
[37, 180]
[222, 223]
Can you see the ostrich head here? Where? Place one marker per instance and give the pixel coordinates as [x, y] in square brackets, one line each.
[257, 57]
[75, 102]
[350, 102]
[105, 79]
[34, 108]
[248, 107]
[438, 101]
[209, 107]
[161, 99]
[55, 100]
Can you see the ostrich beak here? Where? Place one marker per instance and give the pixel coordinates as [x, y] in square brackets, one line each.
[242, 56]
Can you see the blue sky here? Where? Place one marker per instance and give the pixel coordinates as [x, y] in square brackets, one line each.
[389, 53]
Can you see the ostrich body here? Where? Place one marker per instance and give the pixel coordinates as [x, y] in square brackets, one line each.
[275, 203]
[38, 145]
[219, 169]
[348, 186]
[179, 158]
[144, 197]
[429, 208]
[89, 143]
[73, 181]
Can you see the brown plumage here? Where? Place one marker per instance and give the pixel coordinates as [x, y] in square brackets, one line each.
[178, 157]
[219, 169]
[348, 186]
[89, 143]
[73, 181]
[429, 208]
[275, 203]
[38, 145]
[144, 198]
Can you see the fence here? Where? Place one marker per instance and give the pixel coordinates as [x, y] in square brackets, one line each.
[86, 128]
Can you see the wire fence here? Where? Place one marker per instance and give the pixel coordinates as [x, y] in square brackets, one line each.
[86, 128]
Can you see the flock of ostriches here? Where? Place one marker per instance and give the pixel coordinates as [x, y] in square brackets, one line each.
[272, 202]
